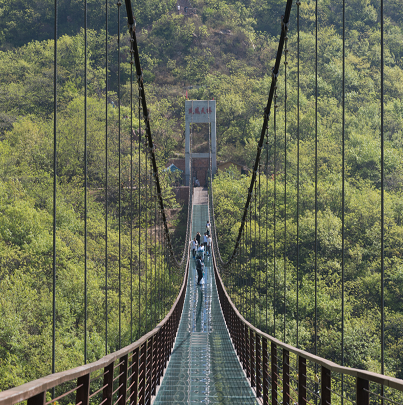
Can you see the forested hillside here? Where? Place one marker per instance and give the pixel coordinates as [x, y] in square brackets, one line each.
[225, 50]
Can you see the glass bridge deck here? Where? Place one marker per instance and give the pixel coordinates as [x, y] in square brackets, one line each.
[203, 368]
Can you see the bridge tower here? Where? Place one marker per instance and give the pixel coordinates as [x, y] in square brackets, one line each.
[200, 111]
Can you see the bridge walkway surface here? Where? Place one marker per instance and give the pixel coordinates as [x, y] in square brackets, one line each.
[204, 367]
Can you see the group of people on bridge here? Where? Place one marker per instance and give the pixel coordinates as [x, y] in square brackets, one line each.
[201, 249]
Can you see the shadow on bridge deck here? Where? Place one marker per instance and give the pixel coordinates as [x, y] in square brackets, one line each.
[203, 367]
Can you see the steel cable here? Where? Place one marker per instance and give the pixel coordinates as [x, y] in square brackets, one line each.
[274, 209]
[298, 159]
[139, 212]
[131, 198]
[316, 178]
[285, 183]
[119, 187]
[260, 249]
[343, 194]
[106, 176]
[275, 71]
[54, 194]
[255, 256]
[267, 225]
[85, 182]
[146, 242]
[382, 199]
[149, 140]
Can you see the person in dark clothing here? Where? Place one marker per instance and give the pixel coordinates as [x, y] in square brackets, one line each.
[199, 268]
[198, 238]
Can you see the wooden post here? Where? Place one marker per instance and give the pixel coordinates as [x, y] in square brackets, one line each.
[252, 358]
[326, 382]
[362, 391]
[242, 338]
[83, 392]
[247, 351]
[274, 373]
[286, 377]
[150, 378]
[134, 379]
[258, 367]
[38, 399]
[123, 380]
[265, 372]
[302, 381]
[142, 373]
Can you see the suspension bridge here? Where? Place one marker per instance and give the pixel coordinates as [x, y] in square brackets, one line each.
[204, 348]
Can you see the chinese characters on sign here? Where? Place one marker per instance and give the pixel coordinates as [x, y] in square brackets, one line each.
[202, 111]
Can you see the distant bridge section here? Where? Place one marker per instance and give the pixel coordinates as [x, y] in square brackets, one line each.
[200, 112]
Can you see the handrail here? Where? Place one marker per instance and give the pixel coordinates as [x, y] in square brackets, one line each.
[167, 327]
[248, 339]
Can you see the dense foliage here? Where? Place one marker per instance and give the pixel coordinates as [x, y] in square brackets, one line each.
[273, 273]
[224, 50]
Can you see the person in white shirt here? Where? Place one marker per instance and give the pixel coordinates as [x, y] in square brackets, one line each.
[205, 237]
[208, 248]
[200, 251]
[194, 247]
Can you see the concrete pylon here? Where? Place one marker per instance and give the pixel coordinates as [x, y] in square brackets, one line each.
[200, 111]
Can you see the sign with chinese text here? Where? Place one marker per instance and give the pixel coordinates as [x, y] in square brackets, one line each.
[199, 111]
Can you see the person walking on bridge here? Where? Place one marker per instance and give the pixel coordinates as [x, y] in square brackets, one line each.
[205, 237]
[199, 268]
[208, 228]
[208, 248]
[194, 247]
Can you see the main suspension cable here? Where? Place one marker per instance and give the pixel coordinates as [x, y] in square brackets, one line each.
[149, 140]
[266, 116]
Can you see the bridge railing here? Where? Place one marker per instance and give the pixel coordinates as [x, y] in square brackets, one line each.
[128, 376]
[280, 373]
